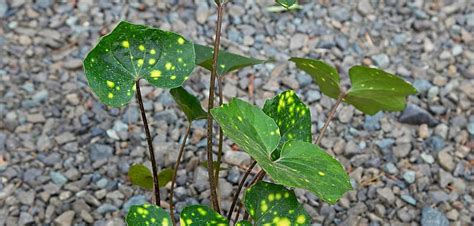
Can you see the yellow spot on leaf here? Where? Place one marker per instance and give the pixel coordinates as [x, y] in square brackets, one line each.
[125, 44]
[118, 88]
[180, 59]
[134, 87]
[111, 95]
[141, 48]
[168, 66]
[321, 173]
[301, 219]
[180, 41]
[151, 61]
[263, 206]
[140, 62]
[165, 222]
[271, 197]
[155, 73]
[152, 51]
[202, 211]
[110, 84]
[173, 77]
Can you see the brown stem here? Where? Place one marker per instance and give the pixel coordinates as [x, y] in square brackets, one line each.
[212, 180]
[256, 179]
[238, 212]
[173, 181]
[221, 135]
[150, 144]
[241, 185]
[330, 116]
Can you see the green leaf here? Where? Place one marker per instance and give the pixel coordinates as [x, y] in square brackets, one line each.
[188, 103]
[141, 176]
[323, 74]
[131, 52]
[226, 61]
[199, 215]
[149, 215]
[301, 164]
[243, 223]
[279, 8]
[286, 3]
[292, 117]
[374, 90]
[273, 204]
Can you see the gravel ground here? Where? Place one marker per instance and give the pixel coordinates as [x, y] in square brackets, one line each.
[64, 156]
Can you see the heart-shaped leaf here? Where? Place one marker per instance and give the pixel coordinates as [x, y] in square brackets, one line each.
[199, 215]
[291, 115]
[131, 52]
[226, 61]
[141, 176]
[273, 204]
[188, 103]
[323, 74]
[286, 3]
[301, 164]
[148, 214]
[374, 90]
[243, 223]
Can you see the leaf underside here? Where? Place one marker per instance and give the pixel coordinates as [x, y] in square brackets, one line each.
[199, 215]
[301, 164]
[273, 204]
[375, 90]
[131, 52]
[292, 117]
[188, 103]
[149, 215]
[226, 61]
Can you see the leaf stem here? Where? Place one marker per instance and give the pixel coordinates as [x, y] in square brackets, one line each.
[176, 167]
[150, 144]
[330, 116]
[212, 180]
[241, 185]
[221, 135]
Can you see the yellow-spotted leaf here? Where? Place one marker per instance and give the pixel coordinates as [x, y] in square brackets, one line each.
[323, 74]
[292, 117]
[188, 103]
[131, 52]
[149, 215]
[273, 204]
[286, 3]
[243, 223]
[141, 176]
[300, 164]
[375, 90]
[226, 61]
[199, 215]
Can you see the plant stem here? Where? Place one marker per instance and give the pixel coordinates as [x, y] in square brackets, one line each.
[150, 144]
[173, 181]
[221, 134]
[212, 180]
[241, 185]
[330, 116]
[238, 212]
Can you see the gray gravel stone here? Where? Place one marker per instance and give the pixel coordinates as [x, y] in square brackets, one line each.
[417, 116]
[432, 217]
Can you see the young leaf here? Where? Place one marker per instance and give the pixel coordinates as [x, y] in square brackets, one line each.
[141, 176]
[291, 115]
[188, 103]
[323, 74]
[226, 62]
[374, 90]
[199, 215]
[286, 3]
[273, 204]
[301, 164]
[148, 214]
[131, 52]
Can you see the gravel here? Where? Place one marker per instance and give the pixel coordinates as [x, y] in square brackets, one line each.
[64, 156]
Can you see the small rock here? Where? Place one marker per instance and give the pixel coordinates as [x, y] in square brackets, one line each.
[409, 176]
[402, 150]
[65, 219]
[416, 116]
[386, 195]
[409, 199]
[100, 151]
[364, 7]
[106, 208]
[446, 161]
[135, 200]
[201, 179]
[297, 41]
[427, 158]
[346, 113]
[73, 64]
[390, 168]
[372, 122]
[58, 178]
[25, 219]
[432, 217]
[3, 8]
[202, 13]
[237, 158]
[422, 85]
[423, 131]
[65, 138]
[470, 128]
[436, 143]
[457, 50]
[381, 60]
